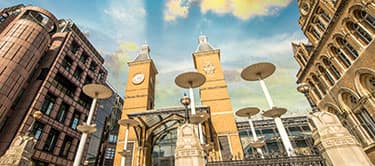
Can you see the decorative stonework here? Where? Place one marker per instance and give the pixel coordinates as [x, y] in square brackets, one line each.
[209, 68]
[335, 142]
[19, 152]
[188, 148]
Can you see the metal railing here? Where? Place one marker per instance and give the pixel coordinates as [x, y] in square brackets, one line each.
[313, 160]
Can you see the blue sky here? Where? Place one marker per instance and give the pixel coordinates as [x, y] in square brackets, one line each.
[246, 32]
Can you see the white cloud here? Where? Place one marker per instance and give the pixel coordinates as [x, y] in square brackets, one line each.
[128, 19]
[242, 9]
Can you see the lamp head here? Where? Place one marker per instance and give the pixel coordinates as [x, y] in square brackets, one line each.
[37, 115]
[303, 88]
[185, 100]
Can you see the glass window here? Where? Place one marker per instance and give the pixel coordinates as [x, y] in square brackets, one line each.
[66, 146]
[348, 47]
[88, 80]
[93, 66]
[100, 75]
[332, 68]
[342, 57]
[62, 112]
[83, 58]
[75, 120]
[109, 153]
[77, 74]
[37, 129]
[64, 85]
[112, 138]
[366, 121]
[67, 63]
[74, 47]
[315, 33]
[84, 100]
[50, 143]
[366, 37]
[326, 75]
[319, 83]
[49, 102]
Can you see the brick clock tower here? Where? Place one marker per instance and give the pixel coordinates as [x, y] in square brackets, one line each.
[214, 93]
[139, 96]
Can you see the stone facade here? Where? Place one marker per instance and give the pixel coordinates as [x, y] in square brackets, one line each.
[337, 62]
[44, 64]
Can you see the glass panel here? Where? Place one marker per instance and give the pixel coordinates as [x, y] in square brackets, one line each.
[51, 140]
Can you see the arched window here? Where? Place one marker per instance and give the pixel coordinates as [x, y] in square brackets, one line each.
[348, 47]
[302, 55]
[342, 57]
[359, 32]
[319, 23]
[319, 83]
[324, 15]
[368, 82]
[332, 68]
[367, 122]
[363, 15]
[315, 33]
[350, 100]
[326, 75]
[315, 90]
[300, 59]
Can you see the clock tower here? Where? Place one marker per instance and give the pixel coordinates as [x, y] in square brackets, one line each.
[214, 93]
[139, 96]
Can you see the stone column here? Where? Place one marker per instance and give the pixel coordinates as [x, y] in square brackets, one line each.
[334, 141]
[188, 149]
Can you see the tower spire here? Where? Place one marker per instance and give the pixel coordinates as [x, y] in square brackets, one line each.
[144, 53]
[203, 44]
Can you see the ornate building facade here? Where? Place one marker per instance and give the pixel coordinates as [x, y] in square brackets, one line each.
[338, 62]
[44, 64]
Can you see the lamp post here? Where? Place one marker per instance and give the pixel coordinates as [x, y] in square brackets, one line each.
[185, 100]
[127, 123]
[36, 116]
[190, 80]
[258, 72]
[305, 89]
[95, 91]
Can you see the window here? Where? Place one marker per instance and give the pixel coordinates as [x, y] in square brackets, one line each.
[315, 33]
[74, 47]
[67, 63]
[363, 15]
[77, 74]
[93, 66]
[88, 80]
[83, 58]
[37, 129]
[100, 75]
[326, 75]
[320, 24]
[75, 120]
[84, 100]
[109, 153]
[324, 15]
[319, 83]
[112, 138]
[342, 57]
[50, 143]
[349, 48]
[62, 112]
[49, 102]
[315, 90]
[66, 146]
[332, 68]
[359, 31]
[366, 121]
[64, 85]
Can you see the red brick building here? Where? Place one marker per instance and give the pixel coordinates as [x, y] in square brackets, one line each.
[44, 63]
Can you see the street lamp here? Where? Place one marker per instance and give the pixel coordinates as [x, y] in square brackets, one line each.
[305, 89]
[95, 91]
[36, 116]
[185, 100]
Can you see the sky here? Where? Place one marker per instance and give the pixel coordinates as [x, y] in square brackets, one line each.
[245, 31]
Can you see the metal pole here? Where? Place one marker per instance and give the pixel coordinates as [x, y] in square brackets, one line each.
[82, 142]
[266, 93]
[284, 136]
[279, 125]
[192, 107]
[259, 150]
[123, 159]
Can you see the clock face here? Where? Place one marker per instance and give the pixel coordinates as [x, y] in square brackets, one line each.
[138, 78]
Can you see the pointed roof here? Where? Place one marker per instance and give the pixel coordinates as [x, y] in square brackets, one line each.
[203, 44]
[144, 53]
